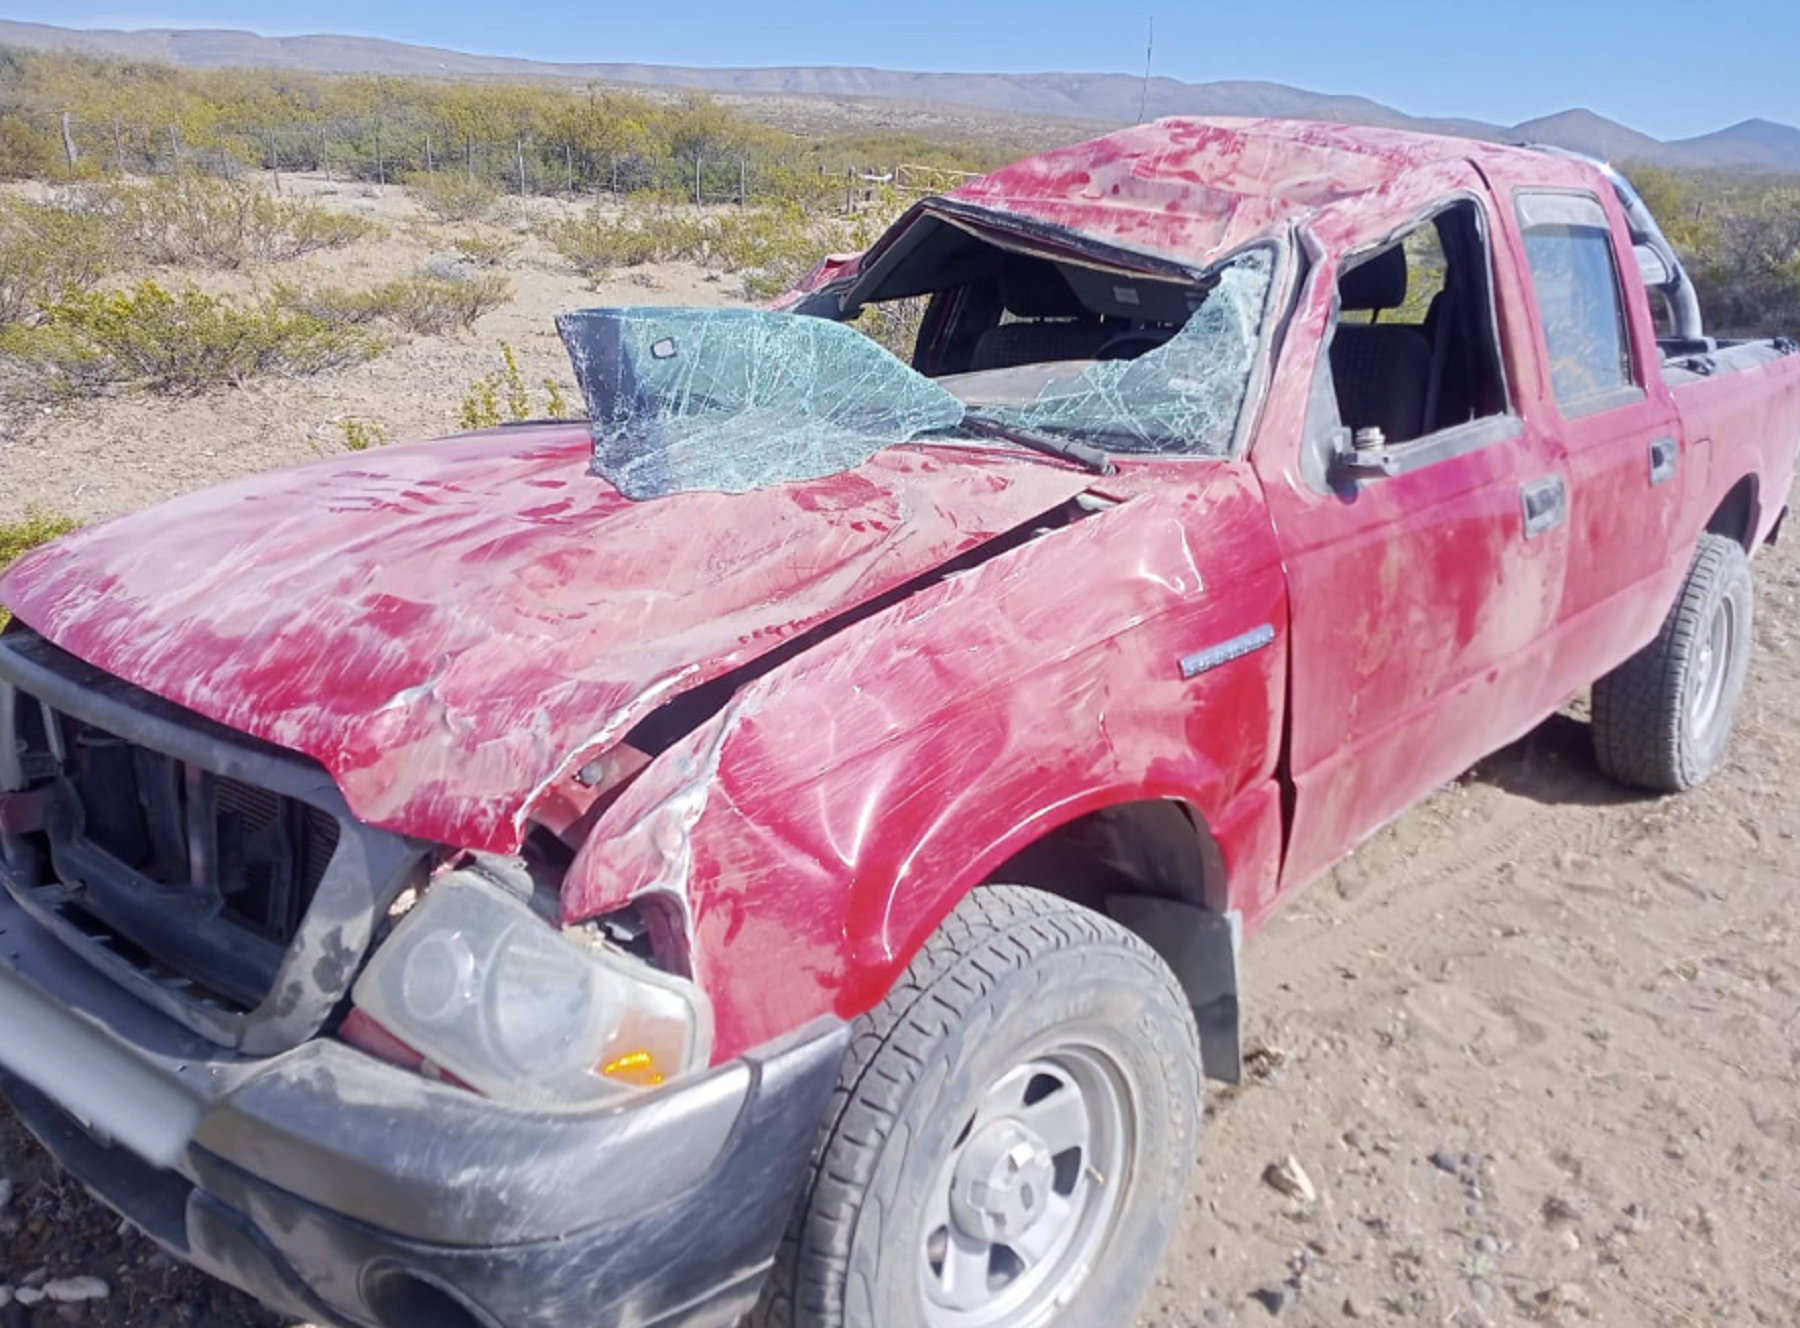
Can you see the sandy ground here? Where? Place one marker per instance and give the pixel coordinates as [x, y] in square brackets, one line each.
[1536, 1046]
[112, 455]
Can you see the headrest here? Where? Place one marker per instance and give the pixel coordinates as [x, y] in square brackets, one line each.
[1377, 283]
[1033, 288]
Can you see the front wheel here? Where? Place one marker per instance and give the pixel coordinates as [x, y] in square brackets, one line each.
[1012, 1136]
[1662, 718]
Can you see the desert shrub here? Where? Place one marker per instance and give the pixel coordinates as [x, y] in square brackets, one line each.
[174, 342]
[425, 303]
[894, 324]
[486, 250]
[772, 247]
[428, 304]
[1748, 275]
[360, 437]
[452, 195]
[36, 527]
[500, 396]
[597, 243]
[25, 153]
[189, 218]
[46, 250]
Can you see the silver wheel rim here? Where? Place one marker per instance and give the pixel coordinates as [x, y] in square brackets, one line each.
[1018, 1211]
[1713, 669]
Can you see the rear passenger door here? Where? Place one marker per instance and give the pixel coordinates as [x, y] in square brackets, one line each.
[1608, 406]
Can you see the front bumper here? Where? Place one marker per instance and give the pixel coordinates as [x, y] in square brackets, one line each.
[342, 1190]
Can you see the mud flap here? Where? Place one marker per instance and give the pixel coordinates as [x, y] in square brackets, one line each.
[1201, 948]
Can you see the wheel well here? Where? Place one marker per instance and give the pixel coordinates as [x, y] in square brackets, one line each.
[1154, 868]
[1738, 514]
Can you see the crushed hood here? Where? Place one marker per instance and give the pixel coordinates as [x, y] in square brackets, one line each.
[449, 627]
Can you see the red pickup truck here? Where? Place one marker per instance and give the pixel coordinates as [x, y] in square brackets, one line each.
[782, 845]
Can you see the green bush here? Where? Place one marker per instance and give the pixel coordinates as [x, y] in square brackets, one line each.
[495, 398]
[596, 244]
[24, 153]
[46, 250]
[773, 247]
[36, 527]
[360, 437]
[452, 195]
[174, 342]
[190, 218]
[486, 250]
[424, 303]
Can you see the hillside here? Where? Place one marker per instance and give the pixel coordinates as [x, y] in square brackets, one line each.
[1108, 98]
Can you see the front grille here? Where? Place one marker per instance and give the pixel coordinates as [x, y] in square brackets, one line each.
[254, 856]
[221, 879]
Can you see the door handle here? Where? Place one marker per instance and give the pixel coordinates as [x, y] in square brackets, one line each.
[1546, 504]
[1665, 455]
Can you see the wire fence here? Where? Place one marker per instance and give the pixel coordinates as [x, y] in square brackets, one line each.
[374, 152]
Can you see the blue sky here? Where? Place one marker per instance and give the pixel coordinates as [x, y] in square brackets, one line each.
[1669, 69]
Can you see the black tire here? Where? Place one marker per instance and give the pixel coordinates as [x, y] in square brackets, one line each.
[1011, 974]
[1652, 727]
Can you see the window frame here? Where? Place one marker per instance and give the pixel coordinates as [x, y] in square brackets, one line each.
[1634, 389]
[1329, 466]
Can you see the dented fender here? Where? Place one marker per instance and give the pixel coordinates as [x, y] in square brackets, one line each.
[820, 826]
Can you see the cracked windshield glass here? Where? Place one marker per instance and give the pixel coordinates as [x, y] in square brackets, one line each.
[731, 400]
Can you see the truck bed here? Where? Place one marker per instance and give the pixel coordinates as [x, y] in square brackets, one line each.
[1740, 415]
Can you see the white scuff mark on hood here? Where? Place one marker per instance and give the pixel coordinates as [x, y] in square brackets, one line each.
[668, 824]
[603, 739]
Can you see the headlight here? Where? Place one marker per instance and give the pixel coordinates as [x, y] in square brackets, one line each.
[477, 983]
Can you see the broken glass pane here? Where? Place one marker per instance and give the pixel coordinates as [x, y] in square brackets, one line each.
[730, 400]
[1181, 398]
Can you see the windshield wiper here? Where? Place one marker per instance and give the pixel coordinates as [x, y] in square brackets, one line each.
[1065, 449]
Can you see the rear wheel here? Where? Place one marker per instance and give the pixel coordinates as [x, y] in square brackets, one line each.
[1012, 1137]
[1663, 718]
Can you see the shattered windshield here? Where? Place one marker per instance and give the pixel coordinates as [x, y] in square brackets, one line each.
[730, 400]
[1181, 398]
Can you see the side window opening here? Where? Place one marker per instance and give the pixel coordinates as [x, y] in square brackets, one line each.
[1575, 275]
[1415, 351]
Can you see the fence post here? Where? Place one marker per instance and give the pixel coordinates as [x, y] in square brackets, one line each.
[743, 181]
[469, 158]
[325, 155]
[174, 150]
[68, 140]
[118, 147]
[697, 199]
[569, 161]
[521, 146]
[430, 166]
[380, 163]
[849, 189]
[615, 179]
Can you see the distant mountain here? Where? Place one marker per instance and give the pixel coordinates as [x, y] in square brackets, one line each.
[1754, 145]
[1583, 131]
[1112, 98]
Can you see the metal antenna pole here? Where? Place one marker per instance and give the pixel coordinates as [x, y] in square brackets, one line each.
[1149, 50]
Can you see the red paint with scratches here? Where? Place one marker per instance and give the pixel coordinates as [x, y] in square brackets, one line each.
[451, 629]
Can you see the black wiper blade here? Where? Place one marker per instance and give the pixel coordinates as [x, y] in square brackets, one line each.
[1065, 449]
